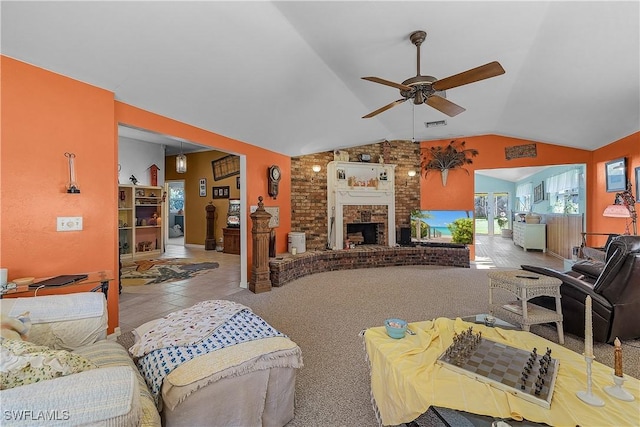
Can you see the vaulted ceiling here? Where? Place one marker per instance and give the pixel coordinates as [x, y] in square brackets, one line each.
[286, 76]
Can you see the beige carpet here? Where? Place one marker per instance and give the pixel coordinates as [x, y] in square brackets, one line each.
[324, 313]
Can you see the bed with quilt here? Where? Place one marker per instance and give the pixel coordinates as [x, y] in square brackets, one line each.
[218, 363]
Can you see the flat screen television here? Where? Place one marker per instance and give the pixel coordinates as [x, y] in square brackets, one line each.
[442, 226]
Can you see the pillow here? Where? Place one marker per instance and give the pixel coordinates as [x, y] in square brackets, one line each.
[24, 363]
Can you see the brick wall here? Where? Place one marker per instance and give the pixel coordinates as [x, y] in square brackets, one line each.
[309, 189]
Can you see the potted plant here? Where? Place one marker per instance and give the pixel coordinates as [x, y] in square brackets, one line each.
[452, 156]
[503, 222]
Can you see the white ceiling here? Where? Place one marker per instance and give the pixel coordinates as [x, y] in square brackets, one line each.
[287, 75]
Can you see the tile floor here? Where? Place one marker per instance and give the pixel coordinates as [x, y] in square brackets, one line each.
[140, 304]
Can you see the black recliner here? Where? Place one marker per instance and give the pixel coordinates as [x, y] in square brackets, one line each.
[614, 288]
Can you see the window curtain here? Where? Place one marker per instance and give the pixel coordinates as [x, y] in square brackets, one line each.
[523, 190]
[563, 182]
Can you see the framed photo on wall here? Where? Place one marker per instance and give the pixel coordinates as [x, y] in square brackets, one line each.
[616, 175]
[538, 193]
[203, 187]
[221, 192]
[238, 182]
[637, 170]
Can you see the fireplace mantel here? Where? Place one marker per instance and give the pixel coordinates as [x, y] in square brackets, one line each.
[352, 183]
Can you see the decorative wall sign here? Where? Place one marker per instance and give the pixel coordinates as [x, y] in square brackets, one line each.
[518, 151]
[203, 187]
[221, 192]
[225, 166]
[538, 193]
[616, 174]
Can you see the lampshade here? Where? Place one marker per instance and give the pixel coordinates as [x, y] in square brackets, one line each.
[617, 211]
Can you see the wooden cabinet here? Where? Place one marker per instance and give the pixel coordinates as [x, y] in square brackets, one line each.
[530, 236]
[231, 240]
[140, 225]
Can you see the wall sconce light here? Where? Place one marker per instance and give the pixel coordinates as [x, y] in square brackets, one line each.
[411, 174]
[181, 162]
[624, 206]
[316, 168]
[72, 186]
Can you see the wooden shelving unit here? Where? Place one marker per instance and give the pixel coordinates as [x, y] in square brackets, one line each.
[140, 224]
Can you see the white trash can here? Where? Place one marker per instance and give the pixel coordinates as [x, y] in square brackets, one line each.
[298, 241]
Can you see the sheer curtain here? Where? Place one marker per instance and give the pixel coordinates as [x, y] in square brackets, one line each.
[523, 194]
[563, 182]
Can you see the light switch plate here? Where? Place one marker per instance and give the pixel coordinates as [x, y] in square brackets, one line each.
[69, 223]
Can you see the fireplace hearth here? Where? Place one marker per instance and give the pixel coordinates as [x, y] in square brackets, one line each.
[365, 233]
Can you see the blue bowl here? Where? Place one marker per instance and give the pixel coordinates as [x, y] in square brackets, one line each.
[396, 328]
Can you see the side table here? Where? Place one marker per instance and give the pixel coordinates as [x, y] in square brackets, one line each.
[526, 285]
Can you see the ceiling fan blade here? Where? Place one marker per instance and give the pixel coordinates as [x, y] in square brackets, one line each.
[385, 108]
[444, 105]
[492, 69]
[387, 83]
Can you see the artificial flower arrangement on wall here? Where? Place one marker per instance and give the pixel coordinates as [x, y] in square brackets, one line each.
[452, 156]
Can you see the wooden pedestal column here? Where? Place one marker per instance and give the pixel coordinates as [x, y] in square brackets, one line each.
[260, 233]
[210, 240]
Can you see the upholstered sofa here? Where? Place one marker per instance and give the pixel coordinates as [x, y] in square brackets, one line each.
[250, 383]
[614, 287]
[110, 392]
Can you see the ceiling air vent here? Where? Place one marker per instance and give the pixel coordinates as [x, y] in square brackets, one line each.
[435, 124]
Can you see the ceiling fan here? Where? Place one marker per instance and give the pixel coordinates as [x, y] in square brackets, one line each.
[428, 89]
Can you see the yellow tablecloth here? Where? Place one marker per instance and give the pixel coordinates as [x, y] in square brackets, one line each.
[406, 381]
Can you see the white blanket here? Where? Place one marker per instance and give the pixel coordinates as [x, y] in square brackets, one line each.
[56, 308]
[186, 327]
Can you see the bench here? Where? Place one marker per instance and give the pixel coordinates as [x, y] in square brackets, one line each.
[285, 268]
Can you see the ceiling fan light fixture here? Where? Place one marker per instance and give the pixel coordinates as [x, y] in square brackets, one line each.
[429, 90]
[418, 98]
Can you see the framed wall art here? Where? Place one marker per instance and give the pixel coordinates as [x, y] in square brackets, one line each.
[637, 170]
[225, 166]
[538, 193]
[203, 187]
[221, 192]
[616, 175]
[237, 182]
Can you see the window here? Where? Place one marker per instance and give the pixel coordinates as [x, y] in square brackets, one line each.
[563, 190]
[176, 199]
[523, 195]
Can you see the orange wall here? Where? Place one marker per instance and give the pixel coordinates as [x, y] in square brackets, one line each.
[459, 191]
[258, 161]
[45, 115]
[598, 198]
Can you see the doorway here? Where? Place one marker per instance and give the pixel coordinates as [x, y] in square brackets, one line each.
[491, 212]
[176, 206]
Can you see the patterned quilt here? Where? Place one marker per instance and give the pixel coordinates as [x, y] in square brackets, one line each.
[243, 326]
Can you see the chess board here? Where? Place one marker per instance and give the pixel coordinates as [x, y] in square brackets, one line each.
[503, 366]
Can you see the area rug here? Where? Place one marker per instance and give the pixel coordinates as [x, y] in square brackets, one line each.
[154, 271]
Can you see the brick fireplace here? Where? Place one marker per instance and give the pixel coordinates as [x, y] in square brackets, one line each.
[362, 195]
[369, 221]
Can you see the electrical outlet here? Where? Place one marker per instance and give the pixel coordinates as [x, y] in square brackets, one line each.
[69, 223]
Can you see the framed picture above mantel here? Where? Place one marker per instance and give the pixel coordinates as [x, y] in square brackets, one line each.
[616, 175]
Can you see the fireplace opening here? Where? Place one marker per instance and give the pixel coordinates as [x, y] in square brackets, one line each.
[364, 233]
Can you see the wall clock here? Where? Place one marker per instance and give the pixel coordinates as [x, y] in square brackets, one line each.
[274, 176]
